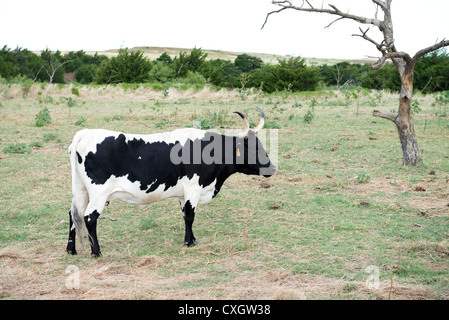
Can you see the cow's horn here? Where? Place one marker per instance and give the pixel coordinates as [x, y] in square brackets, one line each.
[244, 133]
[261, 121]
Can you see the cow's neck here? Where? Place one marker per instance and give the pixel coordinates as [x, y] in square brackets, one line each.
[224, 171]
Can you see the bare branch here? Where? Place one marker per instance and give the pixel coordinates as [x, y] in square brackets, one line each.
[270, 13]
[281, 2]
[333, 22]
[380, 4]
[388, 116]
[436, 46]
[309, 4]
[35, 78]
[364, 36]
[53, 69]
[379, 64]
[428, 82]
[48, 73]
[386, 47]
[403, 55]
[334, 11]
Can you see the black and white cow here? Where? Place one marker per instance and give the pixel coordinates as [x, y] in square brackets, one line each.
[189, 164]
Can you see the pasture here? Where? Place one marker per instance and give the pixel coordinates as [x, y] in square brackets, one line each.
[341, 219]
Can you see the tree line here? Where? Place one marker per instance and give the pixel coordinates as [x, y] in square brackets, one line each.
[246, 71]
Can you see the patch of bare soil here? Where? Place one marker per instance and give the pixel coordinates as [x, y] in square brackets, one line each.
[424, 195]
[27, 275]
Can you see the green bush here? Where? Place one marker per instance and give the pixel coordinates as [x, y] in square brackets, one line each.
[184, 63]
[363, 177]
[292, 74]
[193, 77]
[85, 73]
[432, 72]
[19, 65]
[161, 124]
[247, 63]
[51, 137]
[80, 121]
[308, 117]
[43, 117]
[271, 125]
[202, 123]
[75, 92]
[129, 67]
[17, 148]
[161, 72]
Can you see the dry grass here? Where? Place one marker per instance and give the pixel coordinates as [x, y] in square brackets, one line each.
[28, 274]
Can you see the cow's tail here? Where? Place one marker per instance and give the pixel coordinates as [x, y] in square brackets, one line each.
[80, 196]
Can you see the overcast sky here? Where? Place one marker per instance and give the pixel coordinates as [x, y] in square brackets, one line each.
[233, 25]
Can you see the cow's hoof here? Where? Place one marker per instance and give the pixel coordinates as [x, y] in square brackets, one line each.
[95, 255]
[72, 252]
[191, 244]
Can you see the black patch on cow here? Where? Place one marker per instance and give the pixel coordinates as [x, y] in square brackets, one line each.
[150, 163]
[80, 160]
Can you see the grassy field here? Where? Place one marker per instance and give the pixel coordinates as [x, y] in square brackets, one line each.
[341, 219]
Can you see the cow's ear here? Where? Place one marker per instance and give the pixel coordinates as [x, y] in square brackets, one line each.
[250, 133]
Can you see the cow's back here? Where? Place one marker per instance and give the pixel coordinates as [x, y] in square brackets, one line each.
[131, 167]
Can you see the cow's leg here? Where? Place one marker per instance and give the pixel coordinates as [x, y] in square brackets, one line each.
[189, 216]
[91, 225]
[91, 215]
[80, 200]
[72, 236]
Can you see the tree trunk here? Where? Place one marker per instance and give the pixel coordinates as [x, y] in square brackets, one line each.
[404, 122]
[410, 151]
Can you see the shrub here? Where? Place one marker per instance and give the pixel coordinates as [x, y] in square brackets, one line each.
[129, 67]
[75, 92]
[188, 62]
[202, 123]
[363, 177]
[271, 125]
[85, 73]
[35, 144]
[247, 63]
[308, 117]
[161, 124]
[17, 148]
[80, 121]
[291, 74]
[161, 72]
[43, 117]
[51, 137]
[193, 77]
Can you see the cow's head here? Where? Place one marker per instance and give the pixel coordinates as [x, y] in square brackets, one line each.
[251, 157]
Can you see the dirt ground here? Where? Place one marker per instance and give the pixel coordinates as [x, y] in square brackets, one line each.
[26, 275]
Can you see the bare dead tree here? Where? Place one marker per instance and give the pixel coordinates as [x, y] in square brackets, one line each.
[338, 77]
[404, 63]
[54, 66]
